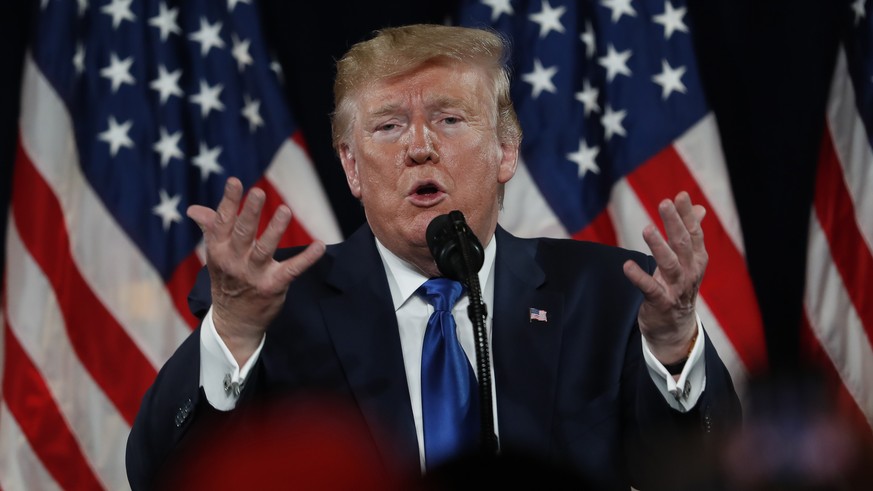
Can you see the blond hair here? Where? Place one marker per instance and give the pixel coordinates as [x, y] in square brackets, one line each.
[396, 51]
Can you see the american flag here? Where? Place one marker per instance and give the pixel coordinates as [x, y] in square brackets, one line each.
[615, 120]
[131, 111]
[838, 312]
[538, 315]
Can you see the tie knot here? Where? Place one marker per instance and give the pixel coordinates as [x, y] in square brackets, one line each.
[442, 293]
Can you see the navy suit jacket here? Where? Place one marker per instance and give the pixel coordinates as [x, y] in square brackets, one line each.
[573, 391]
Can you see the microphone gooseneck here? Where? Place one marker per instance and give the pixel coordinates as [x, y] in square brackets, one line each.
[459, 255]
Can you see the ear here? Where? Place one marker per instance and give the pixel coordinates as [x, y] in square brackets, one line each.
[509, 162]
[350, 166]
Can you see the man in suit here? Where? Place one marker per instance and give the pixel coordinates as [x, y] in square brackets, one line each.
[613, 379]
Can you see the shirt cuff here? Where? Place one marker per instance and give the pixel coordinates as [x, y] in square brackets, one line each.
[681, 394]
[221, 377]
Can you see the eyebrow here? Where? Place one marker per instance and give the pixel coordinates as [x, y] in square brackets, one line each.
[440, 102]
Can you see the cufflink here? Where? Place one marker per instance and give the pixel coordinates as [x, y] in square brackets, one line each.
[683, 394]
[184, 412]
[231, 387]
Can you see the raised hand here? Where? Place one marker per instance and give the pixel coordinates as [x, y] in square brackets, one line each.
[248, 285]
[666, 316]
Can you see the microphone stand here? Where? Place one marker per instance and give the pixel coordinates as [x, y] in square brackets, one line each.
[477, 312]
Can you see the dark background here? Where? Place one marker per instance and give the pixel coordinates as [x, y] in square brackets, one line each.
[765, 64]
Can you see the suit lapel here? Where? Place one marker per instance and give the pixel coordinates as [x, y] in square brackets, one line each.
[363, 327]
[526, 351]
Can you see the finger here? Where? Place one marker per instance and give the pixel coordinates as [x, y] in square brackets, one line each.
[266, 245]
[665, 256]
[203, 216]
[291, 268]
[692, 216]
[647, 284]
[246, 225]
[677, 232]
[227, 209]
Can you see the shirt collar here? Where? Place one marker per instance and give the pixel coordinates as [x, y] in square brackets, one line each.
[404, 279]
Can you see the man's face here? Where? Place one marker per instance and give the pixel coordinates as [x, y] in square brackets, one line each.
[424, 144]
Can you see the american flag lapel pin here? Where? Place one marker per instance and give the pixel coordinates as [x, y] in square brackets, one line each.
[538, 315]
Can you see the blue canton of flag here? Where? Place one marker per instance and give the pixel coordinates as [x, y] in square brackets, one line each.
[601, 86]
[168, 99]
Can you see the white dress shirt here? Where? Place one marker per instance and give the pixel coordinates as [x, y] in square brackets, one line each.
[221, 376]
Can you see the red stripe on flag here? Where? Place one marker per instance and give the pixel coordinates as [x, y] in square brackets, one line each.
[836, 213]
[180, 285]
[601, 229]
[726, 286]
[295, 234]
[31, 403]
[102, 345]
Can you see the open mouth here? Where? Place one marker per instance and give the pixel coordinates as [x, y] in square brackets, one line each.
[426, 190]
[426, 193]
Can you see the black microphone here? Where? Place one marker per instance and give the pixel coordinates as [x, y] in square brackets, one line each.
[459, 256]
[449, 240]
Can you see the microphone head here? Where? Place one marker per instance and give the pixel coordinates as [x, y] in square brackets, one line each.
[444, 236]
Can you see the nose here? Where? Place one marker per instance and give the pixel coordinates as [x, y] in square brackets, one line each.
[422, 148]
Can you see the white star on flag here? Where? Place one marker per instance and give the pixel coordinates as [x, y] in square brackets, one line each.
[166, 21]
[120, 11]
[541, 78]
[612, 122]
[207, 161]
[498, 7]
[208, 98]
[671, 19]
[252, 112]
[208, 36]
[168, 146]
[549, 19]
[167, 83]
[168, 209]
[670, 79]
[619, 8]
[615, 63]
[118, 71]
[79, 58]
[584, 158]
[588, 39]
[588, 97]
[240, 52]
[231, 4]
[116, 135]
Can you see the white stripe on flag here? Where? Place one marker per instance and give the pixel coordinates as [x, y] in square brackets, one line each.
[114, 267]
[36, 320]
[292, 175]
[525, 212]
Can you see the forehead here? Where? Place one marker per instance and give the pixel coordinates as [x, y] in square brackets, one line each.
[433, 84]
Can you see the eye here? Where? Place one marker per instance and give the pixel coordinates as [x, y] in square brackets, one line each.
[451, 120]
[386, 127]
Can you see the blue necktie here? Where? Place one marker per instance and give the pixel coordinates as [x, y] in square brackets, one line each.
[449, 393]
